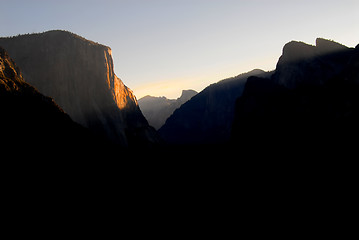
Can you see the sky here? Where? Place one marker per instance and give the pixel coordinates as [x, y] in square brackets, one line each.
[163, 46]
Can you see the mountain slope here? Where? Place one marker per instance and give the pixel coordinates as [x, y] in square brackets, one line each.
[311, 102]
[79, 75]
[28, 118]
[207, 117]
[158, 109]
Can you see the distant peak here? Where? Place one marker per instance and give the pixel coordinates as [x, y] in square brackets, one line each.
[188, 91]
[149, 98]
[187, 94]
[146, 97]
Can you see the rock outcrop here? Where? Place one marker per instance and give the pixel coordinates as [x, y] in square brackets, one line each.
[158, 109]
[79, 75]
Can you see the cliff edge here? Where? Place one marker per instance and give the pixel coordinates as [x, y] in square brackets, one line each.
[79, 75]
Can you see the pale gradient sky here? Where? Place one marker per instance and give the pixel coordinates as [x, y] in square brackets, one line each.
[163, 46]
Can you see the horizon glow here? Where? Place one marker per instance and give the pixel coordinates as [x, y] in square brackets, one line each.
[161, 47]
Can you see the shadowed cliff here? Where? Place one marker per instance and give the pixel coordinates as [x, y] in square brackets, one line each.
[79, 75]
[311, 102]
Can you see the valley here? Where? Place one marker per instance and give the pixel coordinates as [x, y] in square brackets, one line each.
[311, 95]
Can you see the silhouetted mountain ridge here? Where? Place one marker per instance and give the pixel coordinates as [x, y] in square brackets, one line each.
[297, 51]
[299, 62]
[207, 117]
[312, 96]
[309, 104]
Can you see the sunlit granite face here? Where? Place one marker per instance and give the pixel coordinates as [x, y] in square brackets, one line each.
[79, 75]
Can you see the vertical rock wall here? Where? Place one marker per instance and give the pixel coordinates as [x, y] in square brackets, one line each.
[79, 75]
